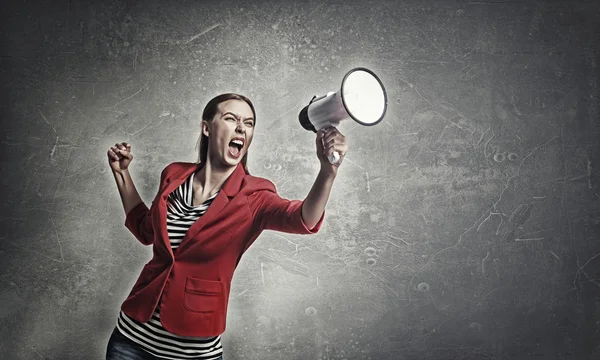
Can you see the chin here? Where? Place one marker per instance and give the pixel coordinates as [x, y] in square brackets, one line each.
[231, 161]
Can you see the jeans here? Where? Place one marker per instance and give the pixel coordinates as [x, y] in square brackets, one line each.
[121, 348]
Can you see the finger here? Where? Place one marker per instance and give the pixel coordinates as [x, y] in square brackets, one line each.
[126, 154]
[319, 136]
[344, 149]
[331, 140]
[340, 148]
[120, 152]
[329, 149]
[323, 133]
[320, 141]
[113, 155]
[333, 134]
[329, 130]
[117, 153]
[336, 140]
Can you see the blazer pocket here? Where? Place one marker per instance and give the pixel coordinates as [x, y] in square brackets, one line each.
[202, 295]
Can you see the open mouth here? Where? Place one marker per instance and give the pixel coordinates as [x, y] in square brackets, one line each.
[235, 147]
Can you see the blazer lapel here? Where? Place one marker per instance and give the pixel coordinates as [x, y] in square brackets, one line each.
[229, 189]
[174, 181]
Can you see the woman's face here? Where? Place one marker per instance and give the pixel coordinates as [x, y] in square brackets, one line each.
[230, 132]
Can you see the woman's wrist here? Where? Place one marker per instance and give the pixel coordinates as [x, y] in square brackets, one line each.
[328, 172]
[119, 172]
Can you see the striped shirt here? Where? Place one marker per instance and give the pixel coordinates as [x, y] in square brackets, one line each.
[151, 336]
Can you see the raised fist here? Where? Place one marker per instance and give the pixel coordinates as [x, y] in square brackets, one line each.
[119, 156]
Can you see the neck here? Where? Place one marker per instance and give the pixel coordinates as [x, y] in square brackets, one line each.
[212, 177]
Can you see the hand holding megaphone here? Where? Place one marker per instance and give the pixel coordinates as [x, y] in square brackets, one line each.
[361, 98]
[329, 134]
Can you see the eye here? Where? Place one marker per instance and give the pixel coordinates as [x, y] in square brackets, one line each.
[230, 118]
[250, 123]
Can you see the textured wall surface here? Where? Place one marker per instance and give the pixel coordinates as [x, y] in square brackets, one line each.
[466, 225]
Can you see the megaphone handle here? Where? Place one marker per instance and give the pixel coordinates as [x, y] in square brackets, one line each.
[334, 158]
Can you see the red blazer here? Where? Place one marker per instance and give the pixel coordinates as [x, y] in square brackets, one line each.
[196, 280]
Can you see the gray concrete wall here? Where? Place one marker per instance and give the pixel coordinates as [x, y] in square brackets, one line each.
[463, 226]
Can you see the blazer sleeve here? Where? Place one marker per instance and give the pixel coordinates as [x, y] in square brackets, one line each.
[139, 220]
[272, 212]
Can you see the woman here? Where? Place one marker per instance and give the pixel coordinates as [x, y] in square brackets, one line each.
[204, 217]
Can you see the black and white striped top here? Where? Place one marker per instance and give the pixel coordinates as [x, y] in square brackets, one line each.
[151, 336]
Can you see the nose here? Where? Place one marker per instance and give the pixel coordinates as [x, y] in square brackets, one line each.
[240, 128]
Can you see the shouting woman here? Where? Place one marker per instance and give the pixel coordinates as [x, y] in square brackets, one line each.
[203, 218]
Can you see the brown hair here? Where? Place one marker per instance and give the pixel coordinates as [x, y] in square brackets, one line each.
[210, 110]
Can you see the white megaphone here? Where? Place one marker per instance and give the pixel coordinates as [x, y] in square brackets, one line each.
[361, 98]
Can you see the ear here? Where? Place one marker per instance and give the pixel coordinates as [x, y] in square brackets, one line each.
[205, 128]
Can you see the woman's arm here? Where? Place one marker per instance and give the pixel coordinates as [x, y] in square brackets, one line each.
[328, 140]
[272, 212]
[137, 214]
[129, 195]
[314, 204]
[119, 158]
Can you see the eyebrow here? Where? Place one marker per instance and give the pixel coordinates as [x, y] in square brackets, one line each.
[237, 116]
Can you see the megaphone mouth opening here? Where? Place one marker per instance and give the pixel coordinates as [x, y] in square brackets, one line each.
[346, 106]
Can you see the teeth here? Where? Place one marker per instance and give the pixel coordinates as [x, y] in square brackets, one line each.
[238, 142]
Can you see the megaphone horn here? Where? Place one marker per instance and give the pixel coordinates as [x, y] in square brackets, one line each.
[361, 98]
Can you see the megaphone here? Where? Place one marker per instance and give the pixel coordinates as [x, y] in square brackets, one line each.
[361, 98]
